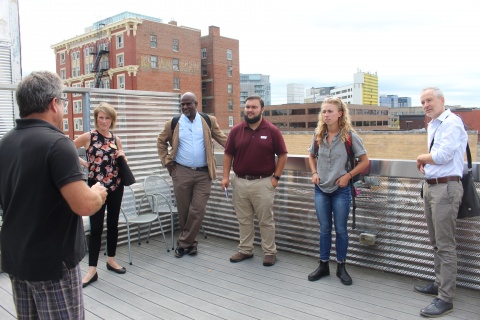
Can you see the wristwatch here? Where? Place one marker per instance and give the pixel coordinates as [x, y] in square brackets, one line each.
[276, 177]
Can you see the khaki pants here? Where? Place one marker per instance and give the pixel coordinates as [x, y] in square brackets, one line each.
[255, 198]
[192, 190]
[441, 208]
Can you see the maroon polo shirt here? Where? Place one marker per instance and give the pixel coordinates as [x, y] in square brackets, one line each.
[254, 150]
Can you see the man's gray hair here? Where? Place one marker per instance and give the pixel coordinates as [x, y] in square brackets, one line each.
[436, 91]
[35, 92]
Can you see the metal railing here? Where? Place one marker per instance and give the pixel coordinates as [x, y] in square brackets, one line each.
[388, 206]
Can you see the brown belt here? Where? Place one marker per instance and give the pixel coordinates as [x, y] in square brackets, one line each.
[442, 180]
[252, 177]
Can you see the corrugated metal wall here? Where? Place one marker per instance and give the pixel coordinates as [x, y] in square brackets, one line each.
[389, 205]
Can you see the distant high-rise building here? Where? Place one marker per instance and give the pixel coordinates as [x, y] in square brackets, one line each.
[255, 84]
[295, 93]
[363, 91]
[393, 101]
[317, 94]
[136, 52]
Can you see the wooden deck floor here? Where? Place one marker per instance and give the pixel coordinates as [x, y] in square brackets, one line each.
[208, 286]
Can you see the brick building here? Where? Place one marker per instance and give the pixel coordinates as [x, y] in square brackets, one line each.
[135, 52]
[304, 117]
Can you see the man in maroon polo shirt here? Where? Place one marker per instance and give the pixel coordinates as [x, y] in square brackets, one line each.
[253, 144]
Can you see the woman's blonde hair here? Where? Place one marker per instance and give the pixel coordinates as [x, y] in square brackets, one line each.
[344, 121]
[108, 110]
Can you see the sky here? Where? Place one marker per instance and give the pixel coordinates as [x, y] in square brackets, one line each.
[409, 44]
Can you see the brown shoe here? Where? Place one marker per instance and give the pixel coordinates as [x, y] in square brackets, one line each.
[239, 256]
[269, 260]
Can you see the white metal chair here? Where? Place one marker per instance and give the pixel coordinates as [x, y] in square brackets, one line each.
[157, 185]
[131, 215]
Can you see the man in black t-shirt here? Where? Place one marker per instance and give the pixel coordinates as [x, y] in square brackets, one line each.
[43, 194]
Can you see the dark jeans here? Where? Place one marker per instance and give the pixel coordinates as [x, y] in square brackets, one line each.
[113, 203]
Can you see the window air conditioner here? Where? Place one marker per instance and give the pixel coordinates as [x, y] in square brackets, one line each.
[122, 85]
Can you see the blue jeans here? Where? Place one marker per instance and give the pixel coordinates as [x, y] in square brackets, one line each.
[334, 205]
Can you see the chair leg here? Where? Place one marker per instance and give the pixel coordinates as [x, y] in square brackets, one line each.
[148, 235]
[138, 233]
[203, 230]
[163, 233]
[173, 240]
[129, 248]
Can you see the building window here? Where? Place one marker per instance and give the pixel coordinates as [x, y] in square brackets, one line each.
[230, 121]
[153, 41]
[204, 53]
[78, 124]
[76, 85]
[204, 70]
[204, 87]
[312, 124]
[230, 105]
[105, 83]
[65, 124]
[75, 71]
[120, 41]
[63, 74]
[314, 111]
[297, 112]
[62, 58]
[77, 106]
[297, 124]
[176, 83]
[204, 103]
[89, 84]
[230, 71]
[230, 88]
[175, 44]
[175, 64]
[120, 60]
[229, 54]
[121, 82]
[154, 61]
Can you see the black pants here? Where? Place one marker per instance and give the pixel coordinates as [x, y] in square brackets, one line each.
[113, 203]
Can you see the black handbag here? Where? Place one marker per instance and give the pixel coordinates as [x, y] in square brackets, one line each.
[125, 173]
[470, 206]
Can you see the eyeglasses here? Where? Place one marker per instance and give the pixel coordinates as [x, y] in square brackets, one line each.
[65, 102]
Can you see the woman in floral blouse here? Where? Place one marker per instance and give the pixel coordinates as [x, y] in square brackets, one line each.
[103, 149]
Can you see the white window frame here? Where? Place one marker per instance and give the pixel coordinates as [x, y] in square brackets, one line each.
[204, 53]
[77, 106]
[176, 83]
[230, 88]
[153, 41]
[230, 121]
[175, 45]
[120, 43]
[62, 57]
[76, 85]
[63, 73]
[121, 81]
[106, 83]
[78, 124]
[154, 62]
[120, 60]
[230, 105]
[230, 71]
[229, 54]
[65, 124]
[175, 64]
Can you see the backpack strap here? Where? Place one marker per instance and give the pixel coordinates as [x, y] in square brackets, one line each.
[204, 116]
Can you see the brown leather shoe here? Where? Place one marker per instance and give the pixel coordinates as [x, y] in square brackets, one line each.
[239, 256]
[269, 260]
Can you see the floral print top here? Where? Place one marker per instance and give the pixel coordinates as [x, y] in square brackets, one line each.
[102, 162]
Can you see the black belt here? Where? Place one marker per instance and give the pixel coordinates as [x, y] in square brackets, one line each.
[204, 169]
[442, 180]
[252, 177]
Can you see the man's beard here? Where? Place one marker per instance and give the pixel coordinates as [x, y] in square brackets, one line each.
[253, 120]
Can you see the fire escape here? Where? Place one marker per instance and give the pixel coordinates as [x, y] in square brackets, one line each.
[101, 65]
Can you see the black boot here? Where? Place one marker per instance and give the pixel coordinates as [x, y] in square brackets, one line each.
[343, 274]
[322, 270]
